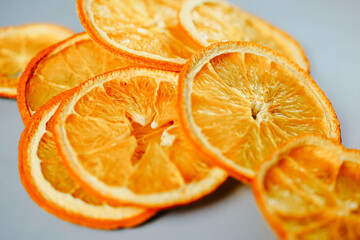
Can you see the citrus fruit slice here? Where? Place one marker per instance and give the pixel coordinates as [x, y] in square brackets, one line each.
[209, 21]
[61, 67]
[146, 31]
[239, 100]
[18, 44]
[48, 183]
[118, 134]
[310, 189]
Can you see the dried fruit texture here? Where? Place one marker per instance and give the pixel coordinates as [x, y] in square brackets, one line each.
[310, 189]
[210, 21]
[238, 101]
[18, 44]
[62, 67]
[118, 134]
[49, 184]
[144, 30]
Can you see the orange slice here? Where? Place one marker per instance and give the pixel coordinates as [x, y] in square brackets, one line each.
[210, 21]
[310, 189]
[238, 101]
[119, 136]
[146, 31]
[48, 183]
[18, 44]
[62, 67]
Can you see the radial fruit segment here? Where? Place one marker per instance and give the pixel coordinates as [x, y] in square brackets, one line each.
[210, 21]
[120, 137]
[310, 189]
[49, 184]
[144, 30]
[18, 44]
[238, 101]
[61, 67]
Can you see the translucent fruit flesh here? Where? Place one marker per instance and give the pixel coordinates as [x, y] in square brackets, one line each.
[310, 190]
[138, 153]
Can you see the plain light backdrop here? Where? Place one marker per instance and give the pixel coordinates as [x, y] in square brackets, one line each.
[329, 31]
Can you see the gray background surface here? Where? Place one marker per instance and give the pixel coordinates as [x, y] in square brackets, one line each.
[329, 31]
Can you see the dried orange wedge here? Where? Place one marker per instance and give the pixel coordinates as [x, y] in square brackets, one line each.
[119, 136]
[238, 101]
[146, 31]
[48, 183]
[61, 67]
[310, 189]
[209, 21]
[18, 44]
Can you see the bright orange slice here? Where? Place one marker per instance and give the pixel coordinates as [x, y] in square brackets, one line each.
[238, 101]
[209, 21]
[310, 189]
[62, 67]
[119, 136]
[49, 184]
[18, 44]
[146, 31]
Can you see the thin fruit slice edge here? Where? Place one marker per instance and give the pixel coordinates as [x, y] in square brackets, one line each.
[18, 44]
[309, 189]
[229, 90]
[134, 118]
[60, 67]
[59, 194]
[148, 33]
[245, 27]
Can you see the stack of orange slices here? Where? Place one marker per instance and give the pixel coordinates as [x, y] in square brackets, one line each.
[159, 101]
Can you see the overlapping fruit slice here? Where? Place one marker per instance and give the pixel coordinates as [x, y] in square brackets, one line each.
[310, 189]
[209, 21]
[49, 184]
[119, 136]
[238, 101]
[62, 67]
[144, 30]
[18, 45]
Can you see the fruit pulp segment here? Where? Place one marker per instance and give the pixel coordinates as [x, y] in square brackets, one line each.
[216, 22]
[66, 67]
[246, 105]
[126, 134]
[143, 26]
[314, 193]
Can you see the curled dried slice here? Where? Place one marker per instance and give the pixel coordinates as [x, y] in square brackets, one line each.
[18, 44]
[119, 135]
[48, 183]
[146, 31]
[210, 21]
[60, 67]
[238, 101]
[310, 189]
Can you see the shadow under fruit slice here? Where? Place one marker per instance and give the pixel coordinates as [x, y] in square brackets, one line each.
[18, 44]
[238, 101]
[119, 136]
[49, 184]
[310, 189]
[61, 67]
[210, 21]
[146, 31]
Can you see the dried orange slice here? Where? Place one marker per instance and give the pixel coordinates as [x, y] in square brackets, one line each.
[18, 44]
[209, 21]
[49, 184]
[146, 31]
[310, 189]
[61, 67]
[238, 101]
[118, 134]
